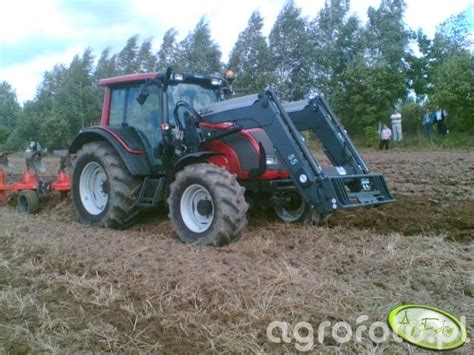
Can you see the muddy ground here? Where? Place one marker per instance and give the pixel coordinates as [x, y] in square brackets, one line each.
[67, 287]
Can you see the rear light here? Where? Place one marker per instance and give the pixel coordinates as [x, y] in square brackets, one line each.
[165, 126]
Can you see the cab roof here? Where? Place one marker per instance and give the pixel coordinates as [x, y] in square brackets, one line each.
[139, 78]
[130, 78]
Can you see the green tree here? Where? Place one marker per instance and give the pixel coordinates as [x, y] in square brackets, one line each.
[145, 58]
[28, 127]
[370, 95]
[167, 55]
[453, 84]
[337, 44]
[127, 58]
[290, 49]
[198, 53]
[376, 83]
[386, 34]
[106, 65]
[453, 35]
[452, 71]
[65, 102]
[251, 58]
[75, 102]
[9, 111]
[419, 66]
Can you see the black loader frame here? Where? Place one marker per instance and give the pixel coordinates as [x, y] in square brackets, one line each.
[349, 184]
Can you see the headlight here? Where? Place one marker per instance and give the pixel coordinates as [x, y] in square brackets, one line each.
[271, 160]
[178, 77]
[216, 82]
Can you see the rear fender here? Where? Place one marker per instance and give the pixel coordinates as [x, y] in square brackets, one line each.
[131, 151]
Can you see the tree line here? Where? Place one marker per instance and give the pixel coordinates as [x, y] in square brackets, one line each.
[365, 70]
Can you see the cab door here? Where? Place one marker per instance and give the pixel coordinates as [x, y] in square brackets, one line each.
[142, 120]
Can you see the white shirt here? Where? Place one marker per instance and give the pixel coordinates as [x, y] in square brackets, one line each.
[396, 117]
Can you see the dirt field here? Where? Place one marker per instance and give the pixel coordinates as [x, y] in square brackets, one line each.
[71, 288]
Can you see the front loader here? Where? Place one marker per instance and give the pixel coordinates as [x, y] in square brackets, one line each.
[170, 138]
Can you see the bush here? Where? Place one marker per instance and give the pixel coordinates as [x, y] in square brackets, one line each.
[4, 133]
[371, 136]
[412, 114]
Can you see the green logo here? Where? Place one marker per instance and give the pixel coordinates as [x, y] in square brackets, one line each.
[427, 327]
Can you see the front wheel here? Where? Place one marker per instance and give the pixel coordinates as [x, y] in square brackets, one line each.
[103, 191]
[207, 205]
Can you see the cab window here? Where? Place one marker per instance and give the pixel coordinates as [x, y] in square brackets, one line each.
[117, 107]
[145, 117]
[124, 108]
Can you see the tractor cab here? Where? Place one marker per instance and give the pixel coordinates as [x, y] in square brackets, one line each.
[143, 107]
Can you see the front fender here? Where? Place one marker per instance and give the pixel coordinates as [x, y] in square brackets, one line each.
[125, 142]
[192, 158]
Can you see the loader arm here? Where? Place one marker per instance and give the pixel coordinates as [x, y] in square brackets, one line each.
[316, 115]
[320, 190]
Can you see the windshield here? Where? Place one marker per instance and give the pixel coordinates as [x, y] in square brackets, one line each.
[197, 96]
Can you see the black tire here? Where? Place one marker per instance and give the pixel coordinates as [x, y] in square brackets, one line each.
[28, 202]
[119, 189]
[220, 196]
[294, 212]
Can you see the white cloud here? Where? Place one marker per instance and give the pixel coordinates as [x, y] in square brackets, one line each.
[26, 77]
[428, 14]
[20, 19]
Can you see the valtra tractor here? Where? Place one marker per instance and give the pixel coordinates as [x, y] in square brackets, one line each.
[171, 138]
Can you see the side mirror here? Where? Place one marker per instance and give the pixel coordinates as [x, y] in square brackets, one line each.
[143, 95]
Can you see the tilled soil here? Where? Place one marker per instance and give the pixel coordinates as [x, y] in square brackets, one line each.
[68, 287]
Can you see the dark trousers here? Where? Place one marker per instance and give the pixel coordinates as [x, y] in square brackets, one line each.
[384, 143]
[442, 129]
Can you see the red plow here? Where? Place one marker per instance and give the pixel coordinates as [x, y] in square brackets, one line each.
[29, 189]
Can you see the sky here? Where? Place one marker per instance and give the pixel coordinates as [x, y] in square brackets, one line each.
[35, 35]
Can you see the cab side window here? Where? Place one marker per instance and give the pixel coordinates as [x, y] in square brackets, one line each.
[145, 117]
[124, 108]
[117, 107]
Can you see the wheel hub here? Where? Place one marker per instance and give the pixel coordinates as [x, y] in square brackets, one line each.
[197, 208]
[93, 188]
[204, 207]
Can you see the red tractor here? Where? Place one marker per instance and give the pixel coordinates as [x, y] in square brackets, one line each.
[170, 137]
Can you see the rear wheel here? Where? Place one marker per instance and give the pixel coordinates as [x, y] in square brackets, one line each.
[103, 191]
[207, 205]
[28, 202]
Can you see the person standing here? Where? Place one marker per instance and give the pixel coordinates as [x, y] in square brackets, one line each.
[385, 135]
[427, 123]
[396, 119]
[441, 122]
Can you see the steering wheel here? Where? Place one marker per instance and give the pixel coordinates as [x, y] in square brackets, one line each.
[194, 114]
